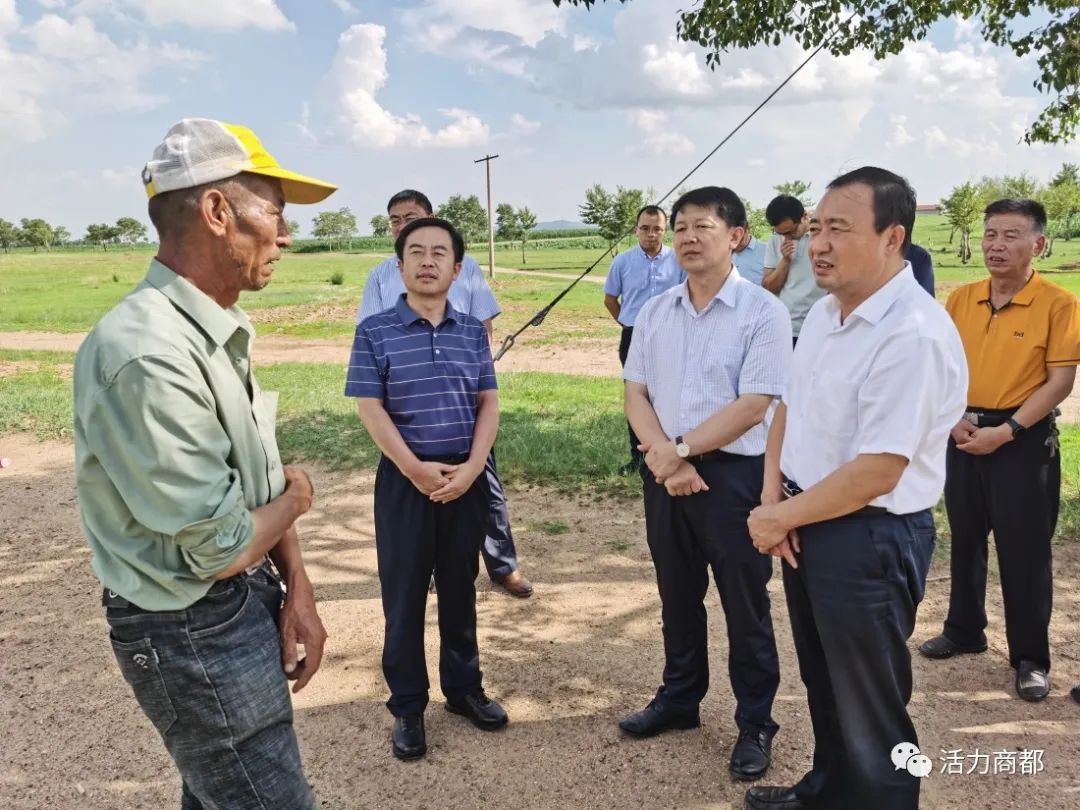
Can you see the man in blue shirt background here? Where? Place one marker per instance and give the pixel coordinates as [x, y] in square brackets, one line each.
[469, 294]
[749, 256]
[922, 266]
[635, 276]
[425, 385]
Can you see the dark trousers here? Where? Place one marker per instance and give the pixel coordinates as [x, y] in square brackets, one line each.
[1014, 493]
[500, 555]
[852, 603]
[210, 680]
[414, 535]
[636, 457]
[687, 536]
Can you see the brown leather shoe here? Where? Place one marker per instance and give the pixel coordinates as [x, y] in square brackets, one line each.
[516, 585]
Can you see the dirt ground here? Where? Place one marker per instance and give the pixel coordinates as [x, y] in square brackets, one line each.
[566, 664]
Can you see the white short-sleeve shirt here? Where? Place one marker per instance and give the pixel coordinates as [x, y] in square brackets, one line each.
[891, 379]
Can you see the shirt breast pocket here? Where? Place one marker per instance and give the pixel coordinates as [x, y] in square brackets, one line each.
[834, 406]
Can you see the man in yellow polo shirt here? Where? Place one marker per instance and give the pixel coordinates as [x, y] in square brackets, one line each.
[1021, 335]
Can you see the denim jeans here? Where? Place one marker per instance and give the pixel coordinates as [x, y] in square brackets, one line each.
[210, 680]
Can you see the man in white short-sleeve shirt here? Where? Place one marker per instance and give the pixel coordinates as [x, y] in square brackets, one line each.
[854, 465]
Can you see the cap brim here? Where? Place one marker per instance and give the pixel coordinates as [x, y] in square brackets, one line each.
[298, 188]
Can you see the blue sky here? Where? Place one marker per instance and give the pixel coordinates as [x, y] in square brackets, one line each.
[376, 96]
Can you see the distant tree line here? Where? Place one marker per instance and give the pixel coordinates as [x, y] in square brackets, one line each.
[40, 235]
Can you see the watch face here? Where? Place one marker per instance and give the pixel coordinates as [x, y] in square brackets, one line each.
[682, 450]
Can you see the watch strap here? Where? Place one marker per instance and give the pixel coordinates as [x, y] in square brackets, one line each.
[1016, 426]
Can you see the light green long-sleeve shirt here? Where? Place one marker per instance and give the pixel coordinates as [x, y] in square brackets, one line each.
[174, 442]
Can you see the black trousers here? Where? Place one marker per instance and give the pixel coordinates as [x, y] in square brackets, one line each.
[414, 535]
[852, 603]
[636, 457]
[687, 536]
[1014, 493]
[498, 550]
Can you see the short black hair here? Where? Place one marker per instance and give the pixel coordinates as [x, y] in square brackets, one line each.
[784, 207]
[410, 195]
[651, 209]
[894, 198]
[431, 222]
[723, 201]
[1031, 209]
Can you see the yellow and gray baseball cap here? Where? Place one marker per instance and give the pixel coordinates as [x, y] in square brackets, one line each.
[201, 150]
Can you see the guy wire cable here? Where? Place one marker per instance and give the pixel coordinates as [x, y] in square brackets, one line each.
[539, 317]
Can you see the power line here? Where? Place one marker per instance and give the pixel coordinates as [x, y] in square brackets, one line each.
[539, 317]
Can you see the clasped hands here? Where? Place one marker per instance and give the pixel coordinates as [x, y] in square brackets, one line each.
[441, 482]
[771, 535]
[678, 476]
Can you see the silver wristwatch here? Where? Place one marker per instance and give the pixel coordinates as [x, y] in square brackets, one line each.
[682, 449]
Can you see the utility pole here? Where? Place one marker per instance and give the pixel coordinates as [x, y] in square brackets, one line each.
[486, 160]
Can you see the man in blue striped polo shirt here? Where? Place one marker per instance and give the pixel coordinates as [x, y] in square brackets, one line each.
[707, 360]
[425, 385]
[470, 295]
[634, 277]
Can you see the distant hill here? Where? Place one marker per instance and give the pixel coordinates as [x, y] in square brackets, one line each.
[561, 225]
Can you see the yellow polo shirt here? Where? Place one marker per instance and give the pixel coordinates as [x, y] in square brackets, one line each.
[1009, 351]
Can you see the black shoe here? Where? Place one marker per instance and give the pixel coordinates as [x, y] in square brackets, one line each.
[773, 798]
[1032, 682]
[1075, 693]
[484, 712]
[944, 647]
[752, 755]
[656, 718]
[410, 741]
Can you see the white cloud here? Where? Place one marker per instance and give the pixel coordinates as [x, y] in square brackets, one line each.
[66, 67]
[51, 5]
[9, 17]
[358, 74]
[900, 135]
[656, 134]
[522, 125]
[214, 15]
[344, 6]
[527, 20]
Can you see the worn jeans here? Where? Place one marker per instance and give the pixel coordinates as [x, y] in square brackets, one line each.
[210, 680]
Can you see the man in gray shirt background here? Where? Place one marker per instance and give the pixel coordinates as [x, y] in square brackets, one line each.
[788, 272]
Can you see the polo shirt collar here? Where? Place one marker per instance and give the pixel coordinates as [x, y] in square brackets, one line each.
[728, 294]
[874, 308]
[1024, 296]
[407, 315]
[218, 323]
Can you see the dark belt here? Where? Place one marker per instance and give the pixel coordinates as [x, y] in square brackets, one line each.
[791, 489]
[716, 455]
[991, 417]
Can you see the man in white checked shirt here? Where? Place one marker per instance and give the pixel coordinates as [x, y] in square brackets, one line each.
[471, 295]
[706, 361]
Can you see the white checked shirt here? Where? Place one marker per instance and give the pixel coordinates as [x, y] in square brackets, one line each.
[696, 363]
[891, 379]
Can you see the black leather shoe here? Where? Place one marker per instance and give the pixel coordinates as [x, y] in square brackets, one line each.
[752, 755]
[1032, 682]
[656, 718]
[484, 712]
[773, 798]
[410, 741]
[944, 647]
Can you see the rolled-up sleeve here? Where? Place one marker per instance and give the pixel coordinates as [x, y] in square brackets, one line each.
[158, 436]
[613, 282]
[772, 252]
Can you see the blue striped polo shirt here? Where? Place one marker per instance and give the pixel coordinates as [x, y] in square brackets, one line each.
[427, 377]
